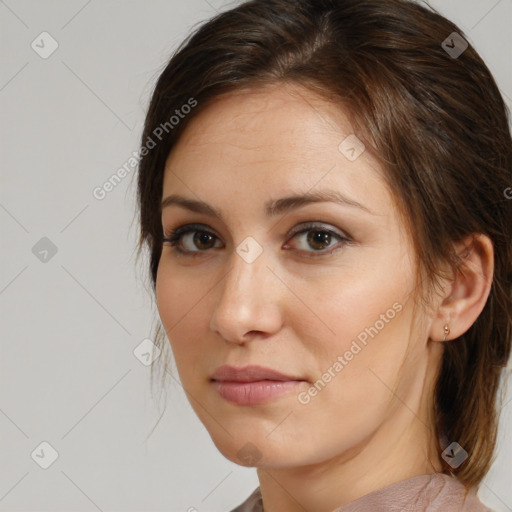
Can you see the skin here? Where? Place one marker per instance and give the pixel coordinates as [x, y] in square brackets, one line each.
[371, 425]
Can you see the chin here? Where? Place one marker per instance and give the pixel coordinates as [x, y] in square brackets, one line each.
[250, 450]
[258, 451]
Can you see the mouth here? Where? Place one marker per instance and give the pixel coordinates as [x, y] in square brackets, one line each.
[250, 373]
[252, 385]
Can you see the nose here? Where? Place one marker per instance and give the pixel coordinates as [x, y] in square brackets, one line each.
[248, 302]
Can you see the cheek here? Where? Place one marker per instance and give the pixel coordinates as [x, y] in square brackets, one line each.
[347, 304]
[172, 307]
[167, 290]
[180, 305]
[359, 332]
[352, 395]
[176, 293]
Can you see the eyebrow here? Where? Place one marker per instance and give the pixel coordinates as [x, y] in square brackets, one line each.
[273, 207]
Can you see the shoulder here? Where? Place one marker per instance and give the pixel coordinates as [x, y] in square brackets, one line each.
[445, 493]
[435, 492]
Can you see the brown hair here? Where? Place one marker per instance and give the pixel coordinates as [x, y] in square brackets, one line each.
[436, 121]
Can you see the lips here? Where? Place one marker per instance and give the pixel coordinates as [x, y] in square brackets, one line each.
[253, 385]
[250, 373]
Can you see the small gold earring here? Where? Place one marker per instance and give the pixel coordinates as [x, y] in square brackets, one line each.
[446, 331]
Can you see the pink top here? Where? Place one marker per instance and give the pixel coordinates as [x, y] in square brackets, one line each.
[437, 492]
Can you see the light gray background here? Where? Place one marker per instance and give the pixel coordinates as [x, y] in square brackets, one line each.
[69, 325]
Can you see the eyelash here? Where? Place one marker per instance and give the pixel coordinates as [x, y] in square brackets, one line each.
[173, 237]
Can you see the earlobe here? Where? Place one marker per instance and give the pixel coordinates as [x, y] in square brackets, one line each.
[469, 290]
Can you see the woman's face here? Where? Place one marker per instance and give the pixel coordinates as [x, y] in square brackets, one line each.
[318, 290]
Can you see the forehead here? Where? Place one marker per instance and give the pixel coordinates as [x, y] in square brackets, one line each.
[271, 140]
[274, 119]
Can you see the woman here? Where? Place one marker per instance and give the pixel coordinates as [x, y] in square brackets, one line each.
[322, 191]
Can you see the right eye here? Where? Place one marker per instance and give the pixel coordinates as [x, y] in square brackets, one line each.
[192, 234]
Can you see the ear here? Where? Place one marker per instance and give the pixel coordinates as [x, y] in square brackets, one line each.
[466, 295]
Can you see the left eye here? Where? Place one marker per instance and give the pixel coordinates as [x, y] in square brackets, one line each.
[317, 238]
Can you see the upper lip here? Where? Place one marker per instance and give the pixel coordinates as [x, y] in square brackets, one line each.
[249, 374]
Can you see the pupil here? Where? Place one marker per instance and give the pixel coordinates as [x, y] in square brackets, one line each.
[319, 237]
[203, 238]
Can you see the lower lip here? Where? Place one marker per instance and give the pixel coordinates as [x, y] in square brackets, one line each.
[252, 393]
